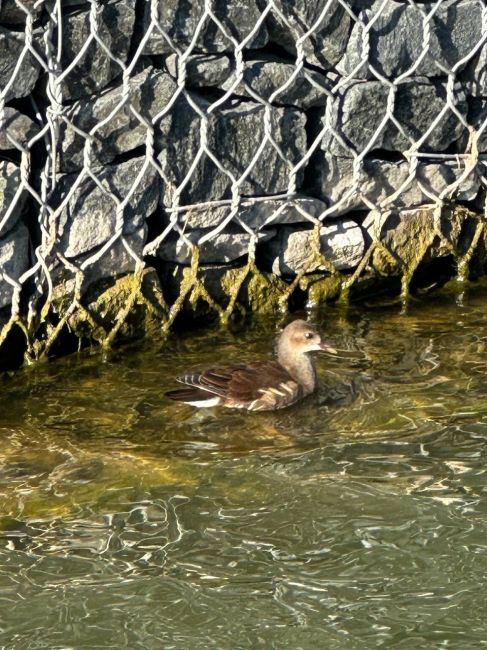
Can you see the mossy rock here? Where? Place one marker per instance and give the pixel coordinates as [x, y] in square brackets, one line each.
[409, 237]
[264, 292]
[134, 301]
[321, 289]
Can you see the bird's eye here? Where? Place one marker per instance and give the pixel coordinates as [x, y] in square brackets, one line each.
[309, 335]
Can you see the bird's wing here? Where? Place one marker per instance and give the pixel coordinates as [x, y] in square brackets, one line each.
[261, 385]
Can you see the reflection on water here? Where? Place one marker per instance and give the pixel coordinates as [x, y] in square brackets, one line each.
[356, 519]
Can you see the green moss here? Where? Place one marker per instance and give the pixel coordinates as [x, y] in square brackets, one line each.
[248, 287]
[265, 292]
[321, 288]
[133, 305]
[128, 307]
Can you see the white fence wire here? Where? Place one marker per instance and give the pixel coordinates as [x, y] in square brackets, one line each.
[246, 151]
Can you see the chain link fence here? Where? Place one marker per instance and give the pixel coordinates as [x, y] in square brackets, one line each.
[159, 157]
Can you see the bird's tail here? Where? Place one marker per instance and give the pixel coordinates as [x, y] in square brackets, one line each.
[187, 394]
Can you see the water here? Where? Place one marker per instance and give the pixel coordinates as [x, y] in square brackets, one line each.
[356, 519]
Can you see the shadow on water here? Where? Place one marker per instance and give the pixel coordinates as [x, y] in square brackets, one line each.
[355, 519]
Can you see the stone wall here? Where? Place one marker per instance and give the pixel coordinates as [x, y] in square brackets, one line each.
[155, 159]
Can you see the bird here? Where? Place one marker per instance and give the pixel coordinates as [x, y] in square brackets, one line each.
[263, 385]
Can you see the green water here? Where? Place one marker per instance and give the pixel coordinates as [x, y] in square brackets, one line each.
[356, 519]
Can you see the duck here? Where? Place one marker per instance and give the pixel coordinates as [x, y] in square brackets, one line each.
[262, 385]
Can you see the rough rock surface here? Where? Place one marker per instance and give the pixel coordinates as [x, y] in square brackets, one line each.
[18, 126]
[179, 20]
[411, 236]
[202, 70]
[234, 136]
[11, 48]
[89, 219]
[326, 44]
[380, 179]
[341, 243]
[150, 90]
[264, 77]
[190, 133]
[271, 79]
[360, 107]
[455, 28]
[116, 260]
[14, 260]
[115, 22]
[477, 115]
[301, 209]
[223, 248]
[9, 184]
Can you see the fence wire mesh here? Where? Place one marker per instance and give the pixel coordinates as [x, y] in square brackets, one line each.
[161, 156]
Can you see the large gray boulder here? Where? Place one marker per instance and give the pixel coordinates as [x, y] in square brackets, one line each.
[115, 22]
[341, 243]
[359, 108]
[325, 46]
[179, 20]
[380, 179]
[14, 260]
[116, 261]
[271, 78]
[19, 127]
[11, 51]
[9, 186]
[264, 75]
[300, 209]
[222, 248]
[234, 136]
[414, 236]
[202, 70]
[149, 92]
[397, 33]
[89, 219]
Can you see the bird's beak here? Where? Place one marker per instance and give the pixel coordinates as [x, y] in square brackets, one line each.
[325, 347]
